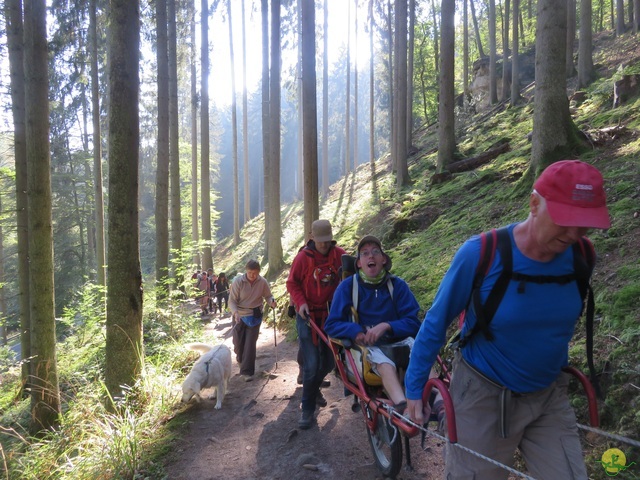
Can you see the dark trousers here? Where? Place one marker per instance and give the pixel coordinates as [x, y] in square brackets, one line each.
[245, 339]
[317, 363]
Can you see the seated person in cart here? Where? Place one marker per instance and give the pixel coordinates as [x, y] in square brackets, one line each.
[379, 310]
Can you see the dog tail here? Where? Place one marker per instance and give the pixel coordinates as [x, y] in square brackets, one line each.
[199, 347]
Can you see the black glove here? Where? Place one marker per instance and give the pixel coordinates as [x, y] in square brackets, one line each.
[291, 311]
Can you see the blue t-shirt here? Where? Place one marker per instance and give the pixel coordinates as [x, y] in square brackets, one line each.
[531, 330]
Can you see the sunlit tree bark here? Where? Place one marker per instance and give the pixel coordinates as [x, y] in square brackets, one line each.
[124, 353]
[205, 180]
[274, 232]
[586, 71]
[234, 133]
[162, 172]
[245, 134]
[174, 138]
[325, 99]
[97, 147]
[266, 118]
[446, 121]
[309, 119]
[14, 31]
[45, 394]
[195, 236]
[400, 95]
[554, 134]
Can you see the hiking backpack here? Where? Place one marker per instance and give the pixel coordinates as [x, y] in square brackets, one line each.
[499, 239]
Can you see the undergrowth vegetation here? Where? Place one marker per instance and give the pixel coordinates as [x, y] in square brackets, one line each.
[421, 228]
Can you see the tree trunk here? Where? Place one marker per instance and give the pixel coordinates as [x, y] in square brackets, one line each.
[493, 84]
[14, 29]
[400, 96]
[412, 22]
[266, 118]
[3, 299]
[391, 80]
[309, 119]
[300, 169]
[446, 120]
[347, 115]
[371, 88]
[195, 236]
[571, 36]
[97, 147]
[162, 172]
[205, 180]
[274, 232]
[355, 91]
[325, 99]
[45, 394]
[234, 133]
[124, 352]
[465, 48]
[245, 116]
[506, 76]
[515, 56]
[476, 29]
[636, 16]
[620, 27]
[553, 130]
[174, 140]
[586, 72]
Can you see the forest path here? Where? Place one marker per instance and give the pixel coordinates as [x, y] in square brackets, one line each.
[255, 435]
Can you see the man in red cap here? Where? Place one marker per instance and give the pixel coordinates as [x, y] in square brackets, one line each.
[508, 388]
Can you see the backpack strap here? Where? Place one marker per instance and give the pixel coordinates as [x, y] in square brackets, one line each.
[489, 242]
[354, 295]
[584, 259]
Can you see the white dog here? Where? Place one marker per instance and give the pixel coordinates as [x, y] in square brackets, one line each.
[212, 369]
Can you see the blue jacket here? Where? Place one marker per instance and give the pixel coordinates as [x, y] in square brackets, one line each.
[531, 330]
[375, 305]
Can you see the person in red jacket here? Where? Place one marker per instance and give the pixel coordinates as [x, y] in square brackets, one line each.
[314, 276]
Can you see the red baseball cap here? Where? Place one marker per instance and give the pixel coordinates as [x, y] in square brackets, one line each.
[574, 194]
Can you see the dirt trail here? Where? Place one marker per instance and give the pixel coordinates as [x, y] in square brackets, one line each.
[255, 434]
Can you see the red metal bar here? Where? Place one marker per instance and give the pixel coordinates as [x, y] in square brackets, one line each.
[590, 393]
[440, 385]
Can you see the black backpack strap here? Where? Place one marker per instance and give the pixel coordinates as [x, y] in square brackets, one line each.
[584, 259]
[488, 244]
[500, 240]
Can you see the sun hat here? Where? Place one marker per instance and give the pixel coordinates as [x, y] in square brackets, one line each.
[574, 194]
[371, 239]
[321, 231]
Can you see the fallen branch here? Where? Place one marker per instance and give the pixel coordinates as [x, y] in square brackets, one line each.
[473, 162]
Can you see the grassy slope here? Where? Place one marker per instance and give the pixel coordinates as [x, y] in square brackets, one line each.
[423, 225]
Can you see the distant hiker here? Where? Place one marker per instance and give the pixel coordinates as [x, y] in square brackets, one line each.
[313, 278]
[385, 318]
[508, 388]
[222, 291]
[202, 284]
[212, 290]
[246, 303]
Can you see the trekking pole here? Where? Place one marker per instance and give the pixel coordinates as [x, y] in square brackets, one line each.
[275, 341]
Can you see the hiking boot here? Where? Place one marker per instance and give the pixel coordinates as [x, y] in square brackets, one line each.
[306, 420]
[247, 378]
[320, 400]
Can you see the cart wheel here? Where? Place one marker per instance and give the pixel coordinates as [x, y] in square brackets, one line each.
[386, 443]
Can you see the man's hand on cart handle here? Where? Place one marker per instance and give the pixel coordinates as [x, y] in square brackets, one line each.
[303, 311]
[418, 412]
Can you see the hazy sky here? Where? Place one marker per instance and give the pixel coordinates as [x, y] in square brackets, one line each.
[220, 82]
